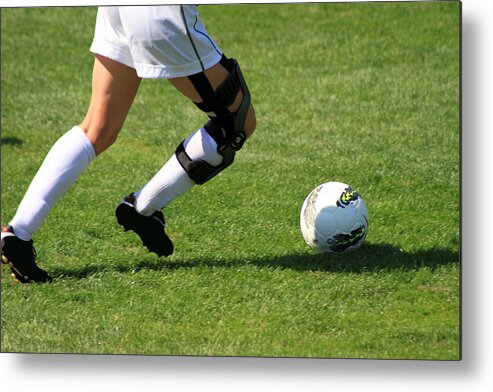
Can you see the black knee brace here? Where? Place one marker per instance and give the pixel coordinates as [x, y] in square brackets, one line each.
[225, 127]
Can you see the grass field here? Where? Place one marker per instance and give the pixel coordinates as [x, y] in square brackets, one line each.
[363, 93]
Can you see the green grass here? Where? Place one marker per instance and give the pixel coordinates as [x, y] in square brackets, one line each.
[363, 93]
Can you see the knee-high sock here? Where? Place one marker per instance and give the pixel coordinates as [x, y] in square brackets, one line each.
[171, 180]
[65, 162]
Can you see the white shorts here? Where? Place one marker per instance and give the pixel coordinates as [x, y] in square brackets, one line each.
[158, 41]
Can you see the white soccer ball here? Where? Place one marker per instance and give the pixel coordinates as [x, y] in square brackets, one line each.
[334, 218]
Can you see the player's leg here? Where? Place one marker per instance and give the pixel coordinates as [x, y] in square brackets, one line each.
[114, 87]
[173, 179]
[216, 76]
[183, 52]
[113, 90]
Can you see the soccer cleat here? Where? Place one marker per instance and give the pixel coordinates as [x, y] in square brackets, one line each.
[20, 256]
[150, 229]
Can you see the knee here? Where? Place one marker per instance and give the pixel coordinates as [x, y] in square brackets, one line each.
[250, 122]
[102, 136]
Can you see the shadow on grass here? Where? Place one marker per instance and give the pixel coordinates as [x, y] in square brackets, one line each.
[370, 258]
[11, 141]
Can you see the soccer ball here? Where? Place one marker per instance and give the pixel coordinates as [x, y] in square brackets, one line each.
[334, 218]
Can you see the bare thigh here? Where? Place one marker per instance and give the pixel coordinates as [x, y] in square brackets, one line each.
[114, 87]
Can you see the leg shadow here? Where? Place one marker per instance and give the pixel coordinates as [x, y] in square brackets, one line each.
[11, 141]
[370, 258]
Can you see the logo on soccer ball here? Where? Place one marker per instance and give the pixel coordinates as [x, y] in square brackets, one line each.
[347, 197]
[341, 242]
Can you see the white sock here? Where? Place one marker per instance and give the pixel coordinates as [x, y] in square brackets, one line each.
[65, 162]
[171, 180]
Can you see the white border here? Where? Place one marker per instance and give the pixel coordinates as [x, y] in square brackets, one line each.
[72, 3]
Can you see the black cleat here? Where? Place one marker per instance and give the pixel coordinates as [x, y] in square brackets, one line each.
[20, 256]
[150, 229]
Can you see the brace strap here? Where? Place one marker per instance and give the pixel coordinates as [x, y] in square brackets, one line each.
[225, 127]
